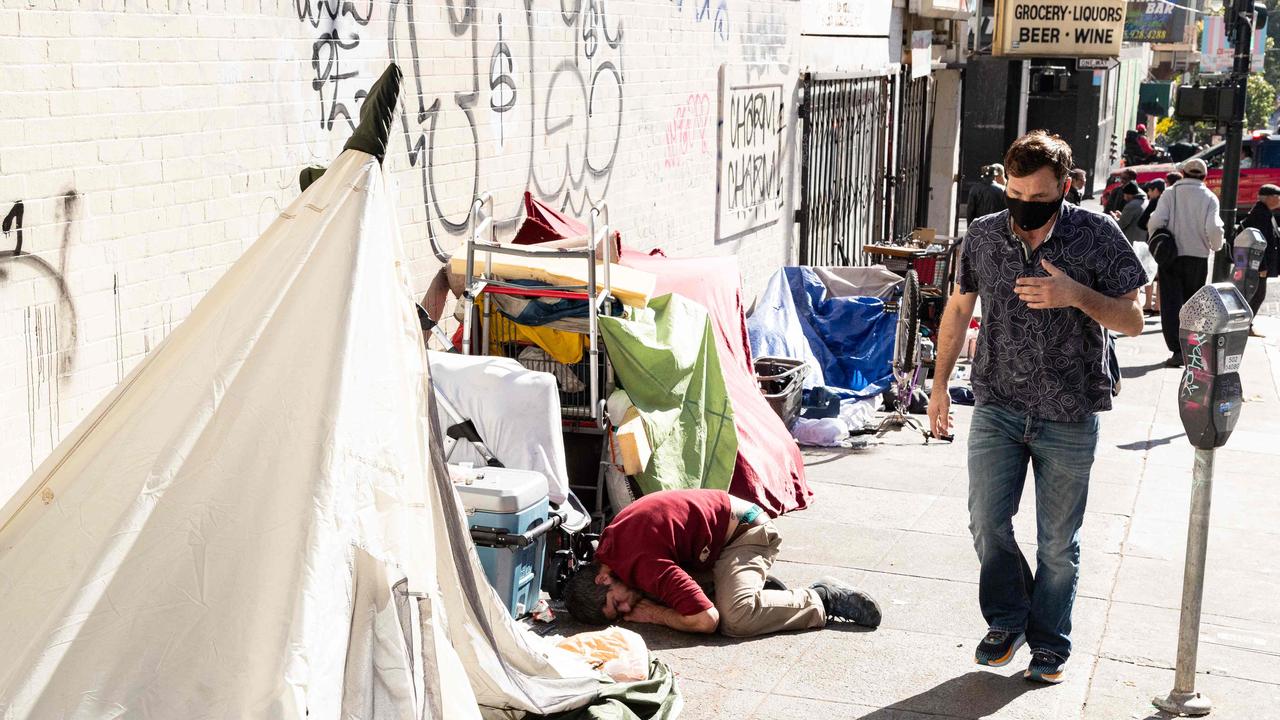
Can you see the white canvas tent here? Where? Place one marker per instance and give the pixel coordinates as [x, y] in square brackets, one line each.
[257, 523]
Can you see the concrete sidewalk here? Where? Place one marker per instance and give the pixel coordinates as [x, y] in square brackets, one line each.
[893, 519]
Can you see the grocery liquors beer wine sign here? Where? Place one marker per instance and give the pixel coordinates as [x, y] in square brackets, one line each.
[1059, 28]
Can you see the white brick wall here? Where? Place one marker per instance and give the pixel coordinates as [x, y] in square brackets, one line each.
[150, 142]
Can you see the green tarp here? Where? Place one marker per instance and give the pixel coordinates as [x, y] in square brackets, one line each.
[666, 359]
[657, 698]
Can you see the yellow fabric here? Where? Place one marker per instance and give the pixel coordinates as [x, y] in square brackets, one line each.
[563, 346]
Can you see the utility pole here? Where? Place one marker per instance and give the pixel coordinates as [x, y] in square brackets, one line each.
[1239, 26]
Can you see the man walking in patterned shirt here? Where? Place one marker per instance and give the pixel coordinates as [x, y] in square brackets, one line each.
[1053, 279]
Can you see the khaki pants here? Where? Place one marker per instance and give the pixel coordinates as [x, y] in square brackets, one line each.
[746, 608]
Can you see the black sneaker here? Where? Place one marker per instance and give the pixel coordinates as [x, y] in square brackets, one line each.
[773, 583]
[1045, 667]
[998, 648]
[845, 603]
[1174, 361]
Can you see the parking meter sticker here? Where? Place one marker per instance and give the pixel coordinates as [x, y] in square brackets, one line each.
[1232, 363]
[1224, 408]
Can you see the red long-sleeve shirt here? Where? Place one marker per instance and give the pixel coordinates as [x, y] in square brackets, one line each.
[653, 543]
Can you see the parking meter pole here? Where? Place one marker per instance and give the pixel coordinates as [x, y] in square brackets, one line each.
[1184, 700]
[1214, 328]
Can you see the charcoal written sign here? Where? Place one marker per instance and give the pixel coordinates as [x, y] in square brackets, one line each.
[1155, 22]
[749, 188]
[1059, 28]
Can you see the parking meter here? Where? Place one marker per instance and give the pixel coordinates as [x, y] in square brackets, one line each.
[1246, 256]
[1214, 328]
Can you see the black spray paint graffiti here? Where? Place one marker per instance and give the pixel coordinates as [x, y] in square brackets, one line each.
[49, 337]
[326, 55]
[16, 258]
[554, 121]
[502, 86]
[754, 173]
[702, 12]
[13, 224]
[750, 186]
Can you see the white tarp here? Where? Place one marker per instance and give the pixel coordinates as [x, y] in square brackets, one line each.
[515, 410]
[228, 534]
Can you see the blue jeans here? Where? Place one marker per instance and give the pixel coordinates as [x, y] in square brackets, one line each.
[1001, 442]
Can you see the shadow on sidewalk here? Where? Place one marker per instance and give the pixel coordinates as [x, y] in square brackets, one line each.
[1152, 443]
[661, 638]
[973, 695]
[1137, 371]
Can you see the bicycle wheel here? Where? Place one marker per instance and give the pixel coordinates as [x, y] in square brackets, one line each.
[907, 340]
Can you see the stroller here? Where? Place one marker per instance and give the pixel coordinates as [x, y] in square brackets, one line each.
[568, 543]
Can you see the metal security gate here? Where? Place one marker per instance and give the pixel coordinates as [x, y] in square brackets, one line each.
[846, 148]
[910, 184]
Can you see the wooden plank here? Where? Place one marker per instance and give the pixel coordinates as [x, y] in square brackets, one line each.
[632, 287]
[633, 443]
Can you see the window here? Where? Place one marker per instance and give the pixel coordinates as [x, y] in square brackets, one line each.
[1213, 156]
[1266, 154]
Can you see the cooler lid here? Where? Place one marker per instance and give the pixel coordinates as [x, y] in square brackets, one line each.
[500, 490]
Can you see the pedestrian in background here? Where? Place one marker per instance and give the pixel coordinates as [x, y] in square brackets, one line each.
[1171, 178]
[1190, 211]
[1053, 279]
[987, 195]
[1115, 201]
[1154, 190]
[1262, 217]
[1151, 292]
[1076, 192]
[1135, 201]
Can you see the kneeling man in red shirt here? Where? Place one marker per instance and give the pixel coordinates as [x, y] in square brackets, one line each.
[641, 571]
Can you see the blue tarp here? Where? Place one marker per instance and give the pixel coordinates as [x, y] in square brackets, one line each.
[846, 341]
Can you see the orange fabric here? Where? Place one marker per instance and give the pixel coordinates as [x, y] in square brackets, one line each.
[620, 653]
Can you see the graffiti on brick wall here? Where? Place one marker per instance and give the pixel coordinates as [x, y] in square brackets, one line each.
[686, 134]
[541, 108]
[749, 186]
[764, 43]
[338, 89]
[716, 19]
[48, 316]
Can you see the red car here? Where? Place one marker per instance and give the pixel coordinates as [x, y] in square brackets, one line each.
[1266, 169]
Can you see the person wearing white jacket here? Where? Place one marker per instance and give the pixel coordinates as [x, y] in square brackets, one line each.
[1190, 211]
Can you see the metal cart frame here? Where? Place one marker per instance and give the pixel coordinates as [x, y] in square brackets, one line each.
[480, 285]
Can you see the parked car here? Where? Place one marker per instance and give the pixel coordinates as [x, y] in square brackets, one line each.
[1266, 169]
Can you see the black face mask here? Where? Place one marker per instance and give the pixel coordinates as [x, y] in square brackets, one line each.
[1031, 215]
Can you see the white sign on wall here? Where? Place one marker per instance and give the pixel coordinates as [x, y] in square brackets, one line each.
[845, 17]
[749, 177]
[944, 9]
[1058, 28]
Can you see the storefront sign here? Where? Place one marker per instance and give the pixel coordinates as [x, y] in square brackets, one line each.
[845, 17]
[1059, 28]
[1155, 22]
[1217, 55]
[750, 180]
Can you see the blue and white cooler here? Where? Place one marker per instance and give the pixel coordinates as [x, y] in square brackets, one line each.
[510, 517]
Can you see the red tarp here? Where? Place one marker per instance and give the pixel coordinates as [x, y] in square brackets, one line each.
[543, 224]
[769, 470]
